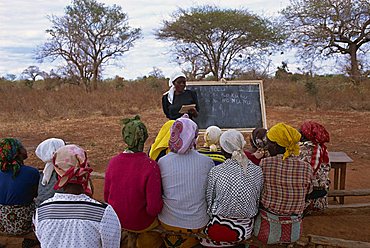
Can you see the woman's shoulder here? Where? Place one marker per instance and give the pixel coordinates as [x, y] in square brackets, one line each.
[30, 169]
[192, 92]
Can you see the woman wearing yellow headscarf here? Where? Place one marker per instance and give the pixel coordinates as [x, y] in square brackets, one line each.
[160, 145]
[286, 137]
[286, 182]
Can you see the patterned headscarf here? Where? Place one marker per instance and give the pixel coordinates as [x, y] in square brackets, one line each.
[232, 142]
[161, 141]
[212, 137]
[171, 91]
[184, 132]
[45, 151]
[134, 134]
[72, 167]
[258, 137]
[9, 151]
[318, 135]
[285, 136]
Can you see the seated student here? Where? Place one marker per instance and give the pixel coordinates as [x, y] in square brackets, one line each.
[184, 179]
[133, 186]
[177, 96]
[18, 184]
[258, 146]
[233, 194]
[314, 152]
[72, 218]
[45, 151]
[210, 148]
[287, 182]
[160, 145]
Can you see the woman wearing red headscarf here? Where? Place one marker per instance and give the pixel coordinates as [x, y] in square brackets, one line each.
[73, 218]
[314, 151]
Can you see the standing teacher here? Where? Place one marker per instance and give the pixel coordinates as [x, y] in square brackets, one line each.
[177, 96]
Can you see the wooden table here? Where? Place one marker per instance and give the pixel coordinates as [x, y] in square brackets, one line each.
[338, 161]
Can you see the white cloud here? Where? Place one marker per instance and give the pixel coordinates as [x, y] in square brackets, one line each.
[23, 24]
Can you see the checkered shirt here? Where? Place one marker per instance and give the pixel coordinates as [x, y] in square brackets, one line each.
[233, 193]
[286, 184]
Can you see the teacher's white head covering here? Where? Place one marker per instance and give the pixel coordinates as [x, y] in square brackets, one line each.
[45, 151]
[171, 91]
[232, 142]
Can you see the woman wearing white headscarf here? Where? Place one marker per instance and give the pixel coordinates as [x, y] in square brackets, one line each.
[177, 96]
[45, 151]
[211, 142]
[184, 178]
[233, 194]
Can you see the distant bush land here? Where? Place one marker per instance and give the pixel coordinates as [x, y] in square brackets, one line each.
[117, 97]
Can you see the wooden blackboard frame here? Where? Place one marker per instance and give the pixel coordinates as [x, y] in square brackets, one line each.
[243, 82]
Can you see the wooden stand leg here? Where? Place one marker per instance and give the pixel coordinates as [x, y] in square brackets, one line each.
[342, 184]
[336, 178]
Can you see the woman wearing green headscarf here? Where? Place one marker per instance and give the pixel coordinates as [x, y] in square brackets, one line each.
[133, 185]
[18, 188]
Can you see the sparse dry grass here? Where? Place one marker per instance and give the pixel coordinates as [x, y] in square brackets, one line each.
[331, 94]
[72, 101]
[92, 121]
[22, 103]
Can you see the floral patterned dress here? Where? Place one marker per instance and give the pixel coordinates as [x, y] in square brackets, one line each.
[16, 219]
[320, 179]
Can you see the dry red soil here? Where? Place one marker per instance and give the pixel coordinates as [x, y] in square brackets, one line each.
[101, 137]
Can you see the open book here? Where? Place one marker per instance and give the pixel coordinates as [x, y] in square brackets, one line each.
[185, 108]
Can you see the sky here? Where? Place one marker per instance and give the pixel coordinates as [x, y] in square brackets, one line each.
[23, 24]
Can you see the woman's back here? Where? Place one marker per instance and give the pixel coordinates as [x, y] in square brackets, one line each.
[184, 180]
[232, 192]
[18, 184]
[18, 190]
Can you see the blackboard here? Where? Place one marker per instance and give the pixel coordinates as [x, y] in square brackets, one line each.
[230, 105]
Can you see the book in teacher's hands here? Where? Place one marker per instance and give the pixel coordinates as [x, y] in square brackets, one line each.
[185, 108]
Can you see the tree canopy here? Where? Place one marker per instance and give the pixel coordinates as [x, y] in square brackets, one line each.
[212, 39]
[87, 36]
[327, 27]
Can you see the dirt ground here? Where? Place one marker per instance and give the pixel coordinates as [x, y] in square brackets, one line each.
[101, 137]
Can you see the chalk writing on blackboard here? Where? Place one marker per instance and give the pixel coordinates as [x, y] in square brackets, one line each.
[235, 104]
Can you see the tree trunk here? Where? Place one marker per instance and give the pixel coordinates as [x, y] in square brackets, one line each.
[215, 74]
[95, 78]
[86, 83]
[355, 71]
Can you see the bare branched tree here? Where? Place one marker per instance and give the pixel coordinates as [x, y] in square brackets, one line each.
[31, 73]
[329, 27]
[87, 36]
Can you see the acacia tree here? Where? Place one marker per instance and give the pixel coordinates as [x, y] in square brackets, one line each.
[328, 27]
[32, 72]
[192, 60]
[217, 36]
[87, 36]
